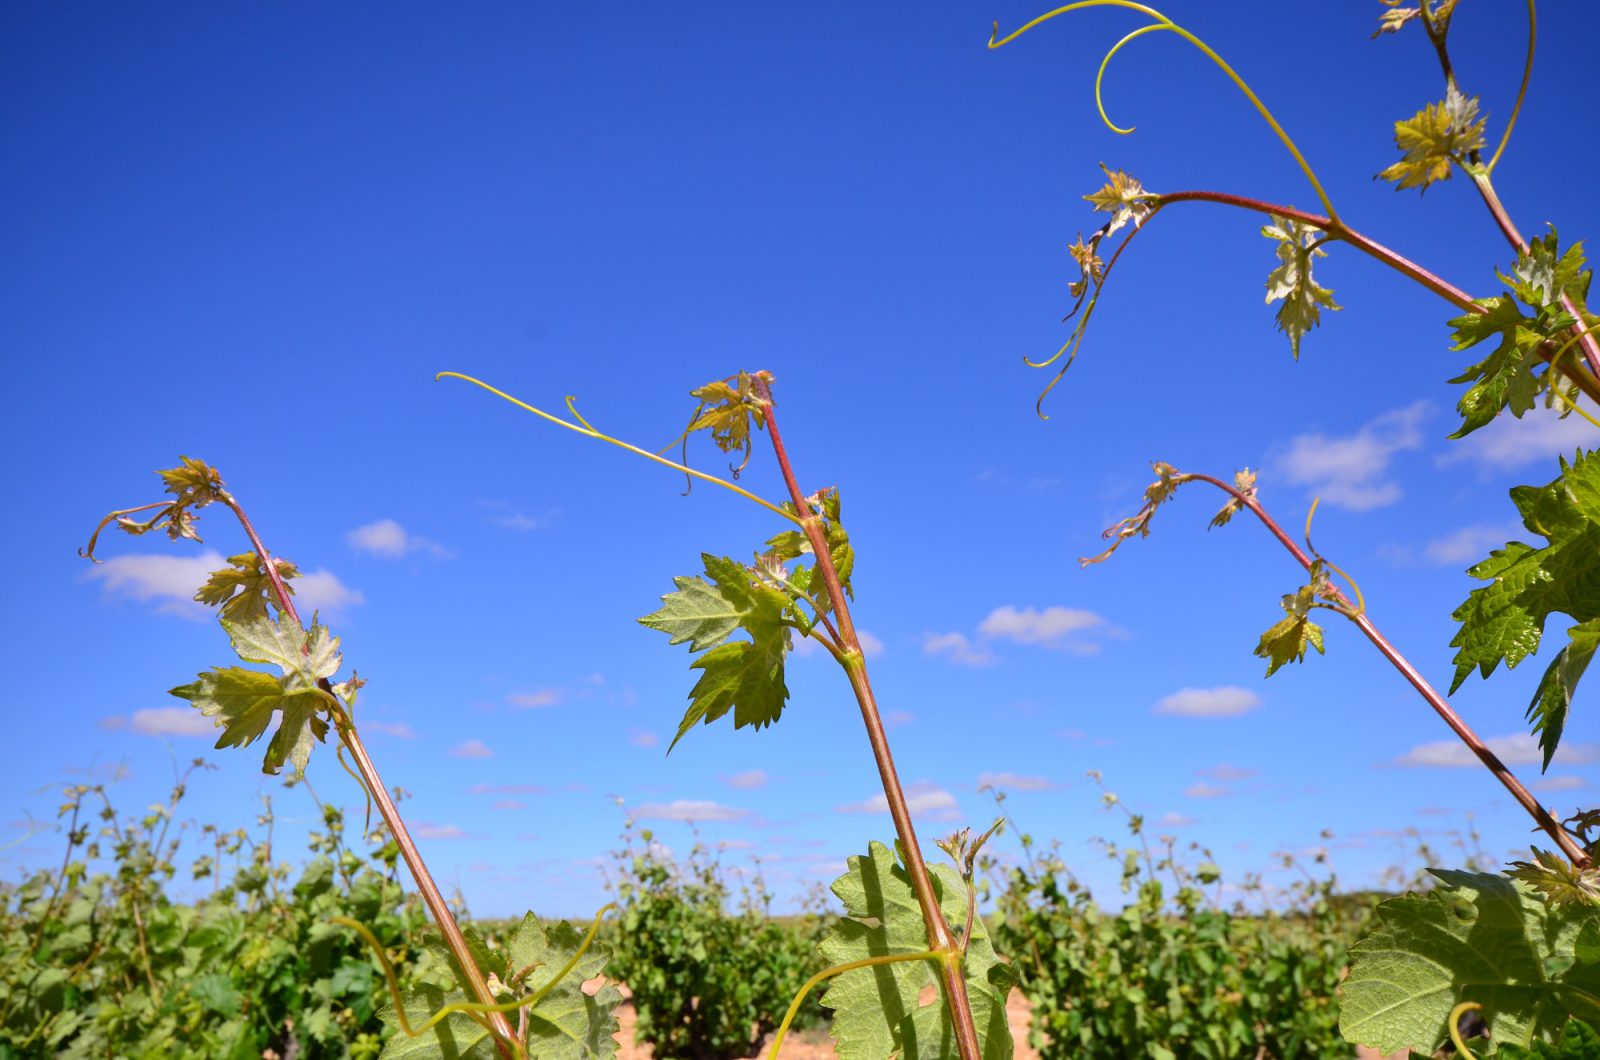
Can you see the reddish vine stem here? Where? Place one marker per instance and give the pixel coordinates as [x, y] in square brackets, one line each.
[426, 886]
[939, 935]
[1586, 381]
[1438, 702]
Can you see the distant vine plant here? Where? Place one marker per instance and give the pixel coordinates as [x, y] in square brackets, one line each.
[1520, 949]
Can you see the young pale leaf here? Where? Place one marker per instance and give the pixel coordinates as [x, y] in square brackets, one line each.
[1434, 137]
[877, 1010]
[1395, 19]
[1303, 300]
[1477, 937]
[1123, 198]
[194, 482]
[243, 588]
[1503, 621]
[1558, 880]
[728, 410]
[566, 1024]
[1286, 642]
[791, 544]
[1552, 700]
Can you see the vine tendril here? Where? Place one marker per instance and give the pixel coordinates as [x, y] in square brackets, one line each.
[1522, 90]
[1455, 1027]
[1162, 22]
[1361, 601]
[1571, 406]
[839, 969]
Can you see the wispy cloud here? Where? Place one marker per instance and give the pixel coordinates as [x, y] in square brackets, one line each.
[1518, 749]
[471, 749]
[429, 830]
[1566, 783]
[539, 697]
[398, 729]
[171, 721]
[389, 540]
[507, 789]
[1224, 701]
[1353, 471]
[1056, 628]
[922, 799]
[1202, 790]
[171, 582]
[1015, 782]
[1225, 774]
[688, 810]
[1471, 543]
[750, 778]
[1509, 443]
[956, 647]
[1175, 820]
[898, 718]
[643, 738]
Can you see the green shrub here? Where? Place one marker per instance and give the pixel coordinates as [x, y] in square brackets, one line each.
[712, 972]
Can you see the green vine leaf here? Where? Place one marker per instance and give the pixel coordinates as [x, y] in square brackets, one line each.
[243, 588]
[1478, 937]
[1287, 640]
[746, 676]
[877, 1010]
[242, 702]
[1507, 378]
[1438, 134]
[1578, 1041]
[791, 544]
[1303, 300]
[1504, 620]
[1552, 700]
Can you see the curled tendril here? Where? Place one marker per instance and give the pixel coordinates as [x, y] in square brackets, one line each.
[471, 1009]
[840, 969]
[1522, 90]
[1568, 404]
[1163, 23]
[572, 407]
[1361, 601]
[366, 825]
[1455, 1027]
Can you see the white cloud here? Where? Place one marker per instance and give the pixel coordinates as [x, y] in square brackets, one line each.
[1050, 627]
[522, 522]
[922, 799]
[957, 648]
[390, 540]
[643, 738]
[1518, 749]
[689, 810]
[1225, 773]
[172, 721]
[398, 729]
[321, 590]
[1510, 443]
[507, 789]
[1471, 543]
[1203, 790]
[509, 804]
[1015, 782]
[471, 749]
[1566, 783]
[428, 830]
[1175, 820]
[542, 697]
[1221, 702]
[750, 778]
[170, 580]
[1353, 471]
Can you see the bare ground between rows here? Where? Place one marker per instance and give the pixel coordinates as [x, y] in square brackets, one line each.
[815, 1045]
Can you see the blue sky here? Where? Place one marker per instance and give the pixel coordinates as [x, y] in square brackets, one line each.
[254, 233]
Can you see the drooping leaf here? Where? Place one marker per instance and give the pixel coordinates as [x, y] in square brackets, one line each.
[1478, 937]
[1168, 479]
[1245, 481]
[728, 410]
[745, 677]
[243, 588]
[1395, 19]
[1303, 299]
[1287, 640]
[1432, 138]
[877, 1010]
[566, 1024]
[1123, 197]
[243, 701]
[1552, 700]
[1503, 621]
